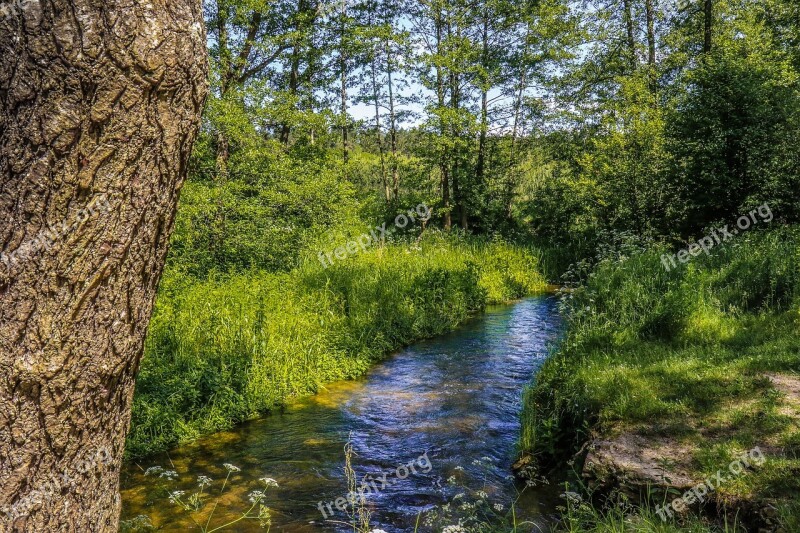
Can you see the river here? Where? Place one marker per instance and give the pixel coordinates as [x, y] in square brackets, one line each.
[448, 406]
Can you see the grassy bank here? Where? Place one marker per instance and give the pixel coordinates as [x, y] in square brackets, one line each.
[697, 357]
[224, 350]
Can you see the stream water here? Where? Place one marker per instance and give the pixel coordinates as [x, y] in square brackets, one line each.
[449, 406]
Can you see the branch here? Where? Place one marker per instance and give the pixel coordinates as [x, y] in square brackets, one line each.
[261, 66]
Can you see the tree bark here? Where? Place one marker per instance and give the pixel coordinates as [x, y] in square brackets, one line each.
[373, 60]
[343, 67]
[392, 124]
[444, 168]
[651, 32]
[225, 65]
[708, 30]
[294, 68]
[631, 33]
[99, 107]
[480, 166]
[387, 191]
[651, 46]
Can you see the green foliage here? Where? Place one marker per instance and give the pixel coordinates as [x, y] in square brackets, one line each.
[668, 147]
[671, 351]
[732, 136]
[263, 219]
[232, 347]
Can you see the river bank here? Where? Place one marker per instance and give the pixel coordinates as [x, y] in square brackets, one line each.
[230, 348]
[665, 378]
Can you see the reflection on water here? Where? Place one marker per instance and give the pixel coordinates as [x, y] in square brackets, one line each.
[456, 398]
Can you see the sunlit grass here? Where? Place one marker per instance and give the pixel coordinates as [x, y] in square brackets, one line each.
[682, 354]
[224, 350]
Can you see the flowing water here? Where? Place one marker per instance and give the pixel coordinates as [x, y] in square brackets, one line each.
[449, 406]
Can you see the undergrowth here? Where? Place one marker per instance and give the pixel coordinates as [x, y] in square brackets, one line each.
[684, 353]
[232, 347]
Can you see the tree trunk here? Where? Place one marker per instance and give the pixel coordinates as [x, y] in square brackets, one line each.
[225, 66]
[651, 33]
[631, 33]
[510, 184]
[708, 33]
[457, 157]
[99, 107]
[480, 166]
[387, 191]
[444, 167]
[343, 66]
[294, 68]
[293, 83]
[374, 58]
[652, 72]
[392, 124]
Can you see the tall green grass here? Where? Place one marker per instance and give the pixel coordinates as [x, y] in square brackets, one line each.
[680, 353]
[225, 350]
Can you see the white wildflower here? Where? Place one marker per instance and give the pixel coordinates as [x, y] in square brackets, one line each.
[269, 482]
[203, 481]
[498, 507]
[175, 495]
[231, 468]
[256, 496]
[153, 470]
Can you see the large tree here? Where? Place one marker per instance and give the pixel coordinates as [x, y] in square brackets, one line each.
[99, 106]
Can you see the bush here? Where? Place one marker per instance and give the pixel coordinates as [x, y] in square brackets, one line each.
[647, 345]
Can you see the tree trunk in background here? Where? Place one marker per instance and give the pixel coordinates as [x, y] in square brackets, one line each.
[387, 191]
[631, 33]
[480, 166]
[99, 106]
[444, 167]
[225, 66]
[294, 69]
[456, 158]
[293, 82]
[651, 45]
[374, 58]
[343, 66]
[392, 124]
[651, 32]
[523, 84]
[708, 33]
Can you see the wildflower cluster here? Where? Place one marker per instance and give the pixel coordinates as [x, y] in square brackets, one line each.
[195, 502]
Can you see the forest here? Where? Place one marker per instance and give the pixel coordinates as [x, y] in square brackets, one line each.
[377, 181]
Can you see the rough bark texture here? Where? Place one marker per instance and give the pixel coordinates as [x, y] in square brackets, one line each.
[99, 105]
